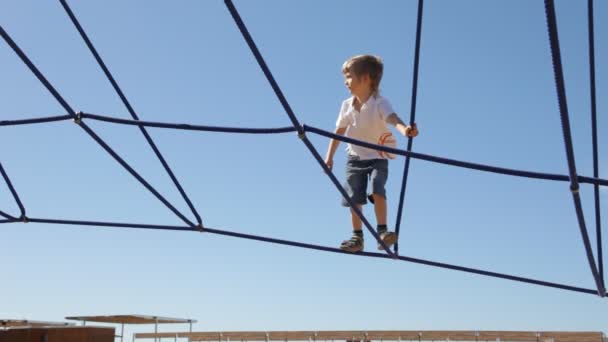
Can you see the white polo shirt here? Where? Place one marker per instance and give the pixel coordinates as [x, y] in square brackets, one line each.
[367, 125]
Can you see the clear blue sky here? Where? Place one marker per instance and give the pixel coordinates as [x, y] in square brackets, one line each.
[486, 95]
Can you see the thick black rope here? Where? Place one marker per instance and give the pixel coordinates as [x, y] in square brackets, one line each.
[316, 247]
[296, 124]
[280, 130]
[453, 162]
[410, 141]
[596, 188]
[574, 178]
[114, 224]
[565, 121]
[7, 216]
[124, 100]
[11, 188]
[35, 120]
[189, 127]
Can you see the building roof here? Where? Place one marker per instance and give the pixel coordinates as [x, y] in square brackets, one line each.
[131, 319]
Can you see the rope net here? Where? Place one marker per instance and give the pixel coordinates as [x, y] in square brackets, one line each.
[302, 130]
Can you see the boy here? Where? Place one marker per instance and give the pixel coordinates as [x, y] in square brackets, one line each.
[364, 116]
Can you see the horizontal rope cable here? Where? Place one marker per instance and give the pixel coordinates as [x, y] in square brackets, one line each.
[124, 100]
[453, 162]
[280, 130]
[8, 221]
[112, 224]
[315, 247]
[35, 120]
[190, 127]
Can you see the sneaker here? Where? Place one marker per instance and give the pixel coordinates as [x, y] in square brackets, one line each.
[389, 239]
[353, 245]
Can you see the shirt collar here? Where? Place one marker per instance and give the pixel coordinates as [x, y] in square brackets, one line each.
[370, 101]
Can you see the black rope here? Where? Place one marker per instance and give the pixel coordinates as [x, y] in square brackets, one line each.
[7, 216]
[565, 121]
[35, 120]
[11, 188]
[403, 258]
[279, 130]
[114, 224]
[410, 141]
[318, 248]
[190, 127]
[596, 189]
[131, 110]
[452, 162]
[573, 177]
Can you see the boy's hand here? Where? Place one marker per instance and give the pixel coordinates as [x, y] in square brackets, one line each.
[411, 131]
[329, 162]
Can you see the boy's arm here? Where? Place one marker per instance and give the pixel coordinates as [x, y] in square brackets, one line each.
[406, 130]
[333, 146]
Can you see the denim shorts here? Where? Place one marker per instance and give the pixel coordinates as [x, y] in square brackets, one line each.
[358, 172]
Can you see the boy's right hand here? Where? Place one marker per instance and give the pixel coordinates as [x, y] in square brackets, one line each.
[329, 162]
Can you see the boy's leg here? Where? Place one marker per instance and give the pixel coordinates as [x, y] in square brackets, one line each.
[356, 183]
[356, 220]
[380, 209]
[355, 243]
[378, 177]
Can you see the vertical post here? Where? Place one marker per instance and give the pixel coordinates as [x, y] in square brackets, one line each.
[155, 328]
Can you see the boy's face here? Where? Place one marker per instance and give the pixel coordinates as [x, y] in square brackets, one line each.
[358, 86]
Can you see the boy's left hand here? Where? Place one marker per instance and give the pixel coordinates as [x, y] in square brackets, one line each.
[410, 131]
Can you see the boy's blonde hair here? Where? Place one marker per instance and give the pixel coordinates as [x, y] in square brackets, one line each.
[365, 65]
